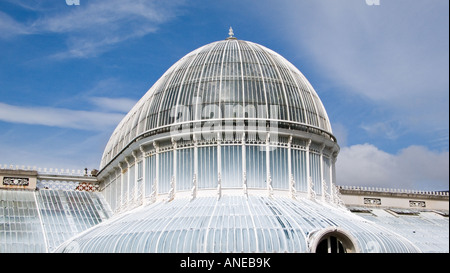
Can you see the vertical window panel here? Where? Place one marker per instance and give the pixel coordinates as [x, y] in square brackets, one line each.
[256, 170]
[139, 172]
[299, 171]
[113, 194]
[279, 168]
[315, 166]
[165, 171]
[207, 167]
[118, 188]
[185, 168]
[326, 173]
[231, 165]
[132, 182]
[150, 174]
[124, 191]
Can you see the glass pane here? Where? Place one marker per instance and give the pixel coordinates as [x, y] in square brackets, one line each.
[207, 167]
[256, 167]
[279, 168]
[232, 166]
[185, 168]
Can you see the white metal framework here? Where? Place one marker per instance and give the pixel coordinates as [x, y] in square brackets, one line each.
[234, 224]
[229, 115]
[230, 80]
[39, 221]
[163, 169]
[231, 150]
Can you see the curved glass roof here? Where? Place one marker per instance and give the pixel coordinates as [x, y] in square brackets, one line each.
[232, 224]
[39, 221]
[219, 77]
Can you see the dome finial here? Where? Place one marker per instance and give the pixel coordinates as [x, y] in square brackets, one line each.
[231, 33]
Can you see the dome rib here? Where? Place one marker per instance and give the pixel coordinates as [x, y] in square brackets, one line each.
[269, 57]
[262, 76]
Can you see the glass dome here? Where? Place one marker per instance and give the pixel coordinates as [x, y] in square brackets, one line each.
[231, 150]
[232, 80]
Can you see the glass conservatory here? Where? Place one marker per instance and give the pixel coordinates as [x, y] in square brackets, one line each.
[232, 114]
[231, 150]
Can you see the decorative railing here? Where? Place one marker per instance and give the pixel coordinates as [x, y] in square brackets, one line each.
[377, 189]
[66, 185]
[49, 171]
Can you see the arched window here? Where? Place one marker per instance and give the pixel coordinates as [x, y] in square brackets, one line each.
[332, 240]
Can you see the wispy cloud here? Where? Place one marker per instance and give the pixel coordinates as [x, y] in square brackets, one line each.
[57, 150]
[415, 167]
[10, 27]
[386, 129]
[122, 105]
[59, 117]
[396, 54]
[32, 5]
[94, 26]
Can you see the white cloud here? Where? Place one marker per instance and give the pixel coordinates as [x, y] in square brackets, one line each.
[415, 167]
[395, 54]
[93, 27]
[385, 54]
[58, 150]
[123, 105]
[389, 130]
[59, 117]
[10, 27]
[31, 5]
[98, 15]
[396, 57]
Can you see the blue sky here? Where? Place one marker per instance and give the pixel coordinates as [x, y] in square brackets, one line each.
[68, 74]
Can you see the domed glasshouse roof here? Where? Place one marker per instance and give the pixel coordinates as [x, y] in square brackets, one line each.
[238, 189]
[230, 151]
[222, 74]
